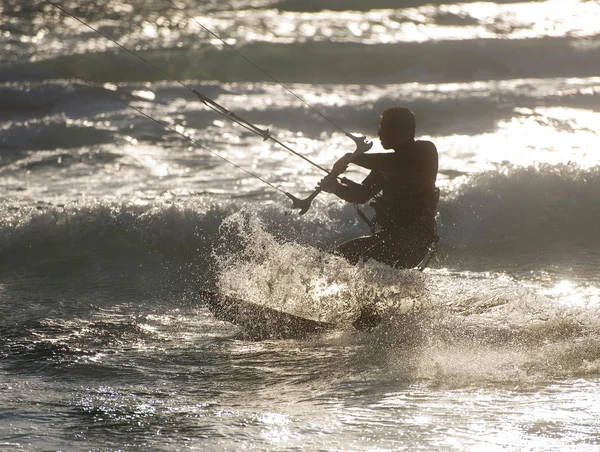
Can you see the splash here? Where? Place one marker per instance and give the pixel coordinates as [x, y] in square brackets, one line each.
[450, 328]
[487, 327]
[305, 280]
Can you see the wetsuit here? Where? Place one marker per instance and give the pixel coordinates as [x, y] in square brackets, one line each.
[402, 186]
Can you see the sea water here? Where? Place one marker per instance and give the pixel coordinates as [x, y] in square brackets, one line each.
[122, 195]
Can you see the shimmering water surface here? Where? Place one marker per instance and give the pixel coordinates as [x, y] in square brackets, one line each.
[121, 199]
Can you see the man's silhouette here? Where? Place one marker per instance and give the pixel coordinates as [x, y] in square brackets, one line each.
[402, 186]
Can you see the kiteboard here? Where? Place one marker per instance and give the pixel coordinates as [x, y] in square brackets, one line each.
[260, 322]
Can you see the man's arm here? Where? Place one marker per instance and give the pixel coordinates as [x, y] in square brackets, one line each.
[380, 161]
[375, 162]
[348, 190]
[427, 165]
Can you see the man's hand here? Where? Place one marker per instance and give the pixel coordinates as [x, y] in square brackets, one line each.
[328, 184]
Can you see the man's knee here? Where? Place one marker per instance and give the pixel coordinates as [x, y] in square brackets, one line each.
[353, 250]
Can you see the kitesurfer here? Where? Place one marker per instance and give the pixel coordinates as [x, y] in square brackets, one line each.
[402, 187]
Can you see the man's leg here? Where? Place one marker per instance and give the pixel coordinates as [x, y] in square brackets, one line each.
[353, 250]
[399, 251]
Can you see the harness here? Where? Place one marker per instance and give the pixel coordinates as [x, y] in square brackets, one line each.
[431, 249]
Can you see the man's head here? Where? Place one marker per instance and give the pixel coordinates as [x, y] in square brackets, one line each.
[397, 126]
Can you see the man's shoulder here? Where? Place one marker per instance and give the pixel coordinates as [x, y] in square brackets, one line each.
[427, 147]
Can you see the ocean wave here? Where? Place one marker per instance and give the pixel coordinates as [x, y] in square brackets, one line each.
[99, 223]
[108, 248]
[541, 210]
[94, 252]
[309, 62]
[71, 114]
[544, 207]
